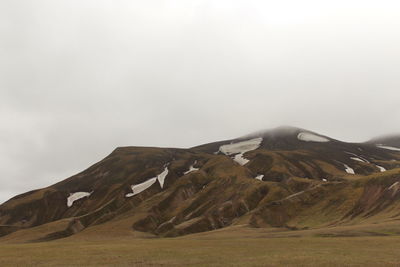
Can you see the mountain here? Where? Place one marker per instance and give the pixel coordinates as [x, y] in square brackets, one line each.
[387, 140]
[286, 177]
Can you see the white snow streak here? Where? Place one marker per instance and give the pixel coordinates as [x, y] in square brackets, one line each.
[260, 177]
[191, 168]
[240, 159]
[240, 148]
[381, 168]
[136, 189]
[310, 137]
[357, 159]
[389, 147]
[161, 177]
[348, 169]
[361, 159]
[75, 196]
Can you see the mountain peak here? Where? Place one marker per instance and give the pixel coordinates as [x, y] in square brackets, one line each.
[391, 139]
[283, 131]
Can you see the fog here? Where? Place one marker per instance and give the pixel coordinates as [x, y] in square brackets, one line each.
[79, 78]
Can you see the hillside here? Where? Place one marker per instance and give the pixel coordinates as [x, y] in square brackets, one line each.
[288, 178]
[387, 140]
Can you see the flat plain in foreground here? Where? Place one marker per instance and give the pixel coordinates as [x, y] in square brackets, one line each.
[208, 250]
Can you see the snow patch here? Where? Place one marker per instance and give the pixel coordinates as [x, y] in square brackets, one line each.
[161, 177]
[75, 196]
[191, 168]
[240, 159]
[324, 180]
[260, 177]
[389, 147]
[348, 169]
[310, 137]
[240, 148]
[136, 189]
[357, 159]
[381, 168]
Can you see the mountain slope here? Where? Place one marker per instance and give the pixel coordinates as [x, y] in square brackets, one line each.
[285, 177]
[388, 140]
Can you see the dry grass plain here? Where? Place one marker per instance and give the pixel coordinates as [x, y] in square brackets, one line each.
[234, 246]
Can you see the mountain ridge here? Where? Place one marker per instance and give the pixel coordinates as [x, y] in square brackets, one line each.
[262, 179]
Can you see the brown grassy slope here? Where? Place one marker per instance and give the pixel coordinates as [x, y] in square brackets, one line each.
[221, 193]
[371, 198]
[321, 206]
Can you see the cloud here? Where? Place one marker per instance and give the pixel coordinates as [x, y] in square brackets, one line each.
[78, 78]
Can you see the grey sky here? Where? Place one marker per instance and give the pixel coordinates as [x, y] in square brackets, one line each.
[79, 78]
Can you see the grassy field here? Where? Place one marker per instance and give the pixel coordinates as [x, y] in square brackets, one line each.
[234, 247]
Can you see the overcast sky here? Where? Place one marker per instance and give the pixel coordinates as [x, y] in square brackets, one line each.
[81, 77]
